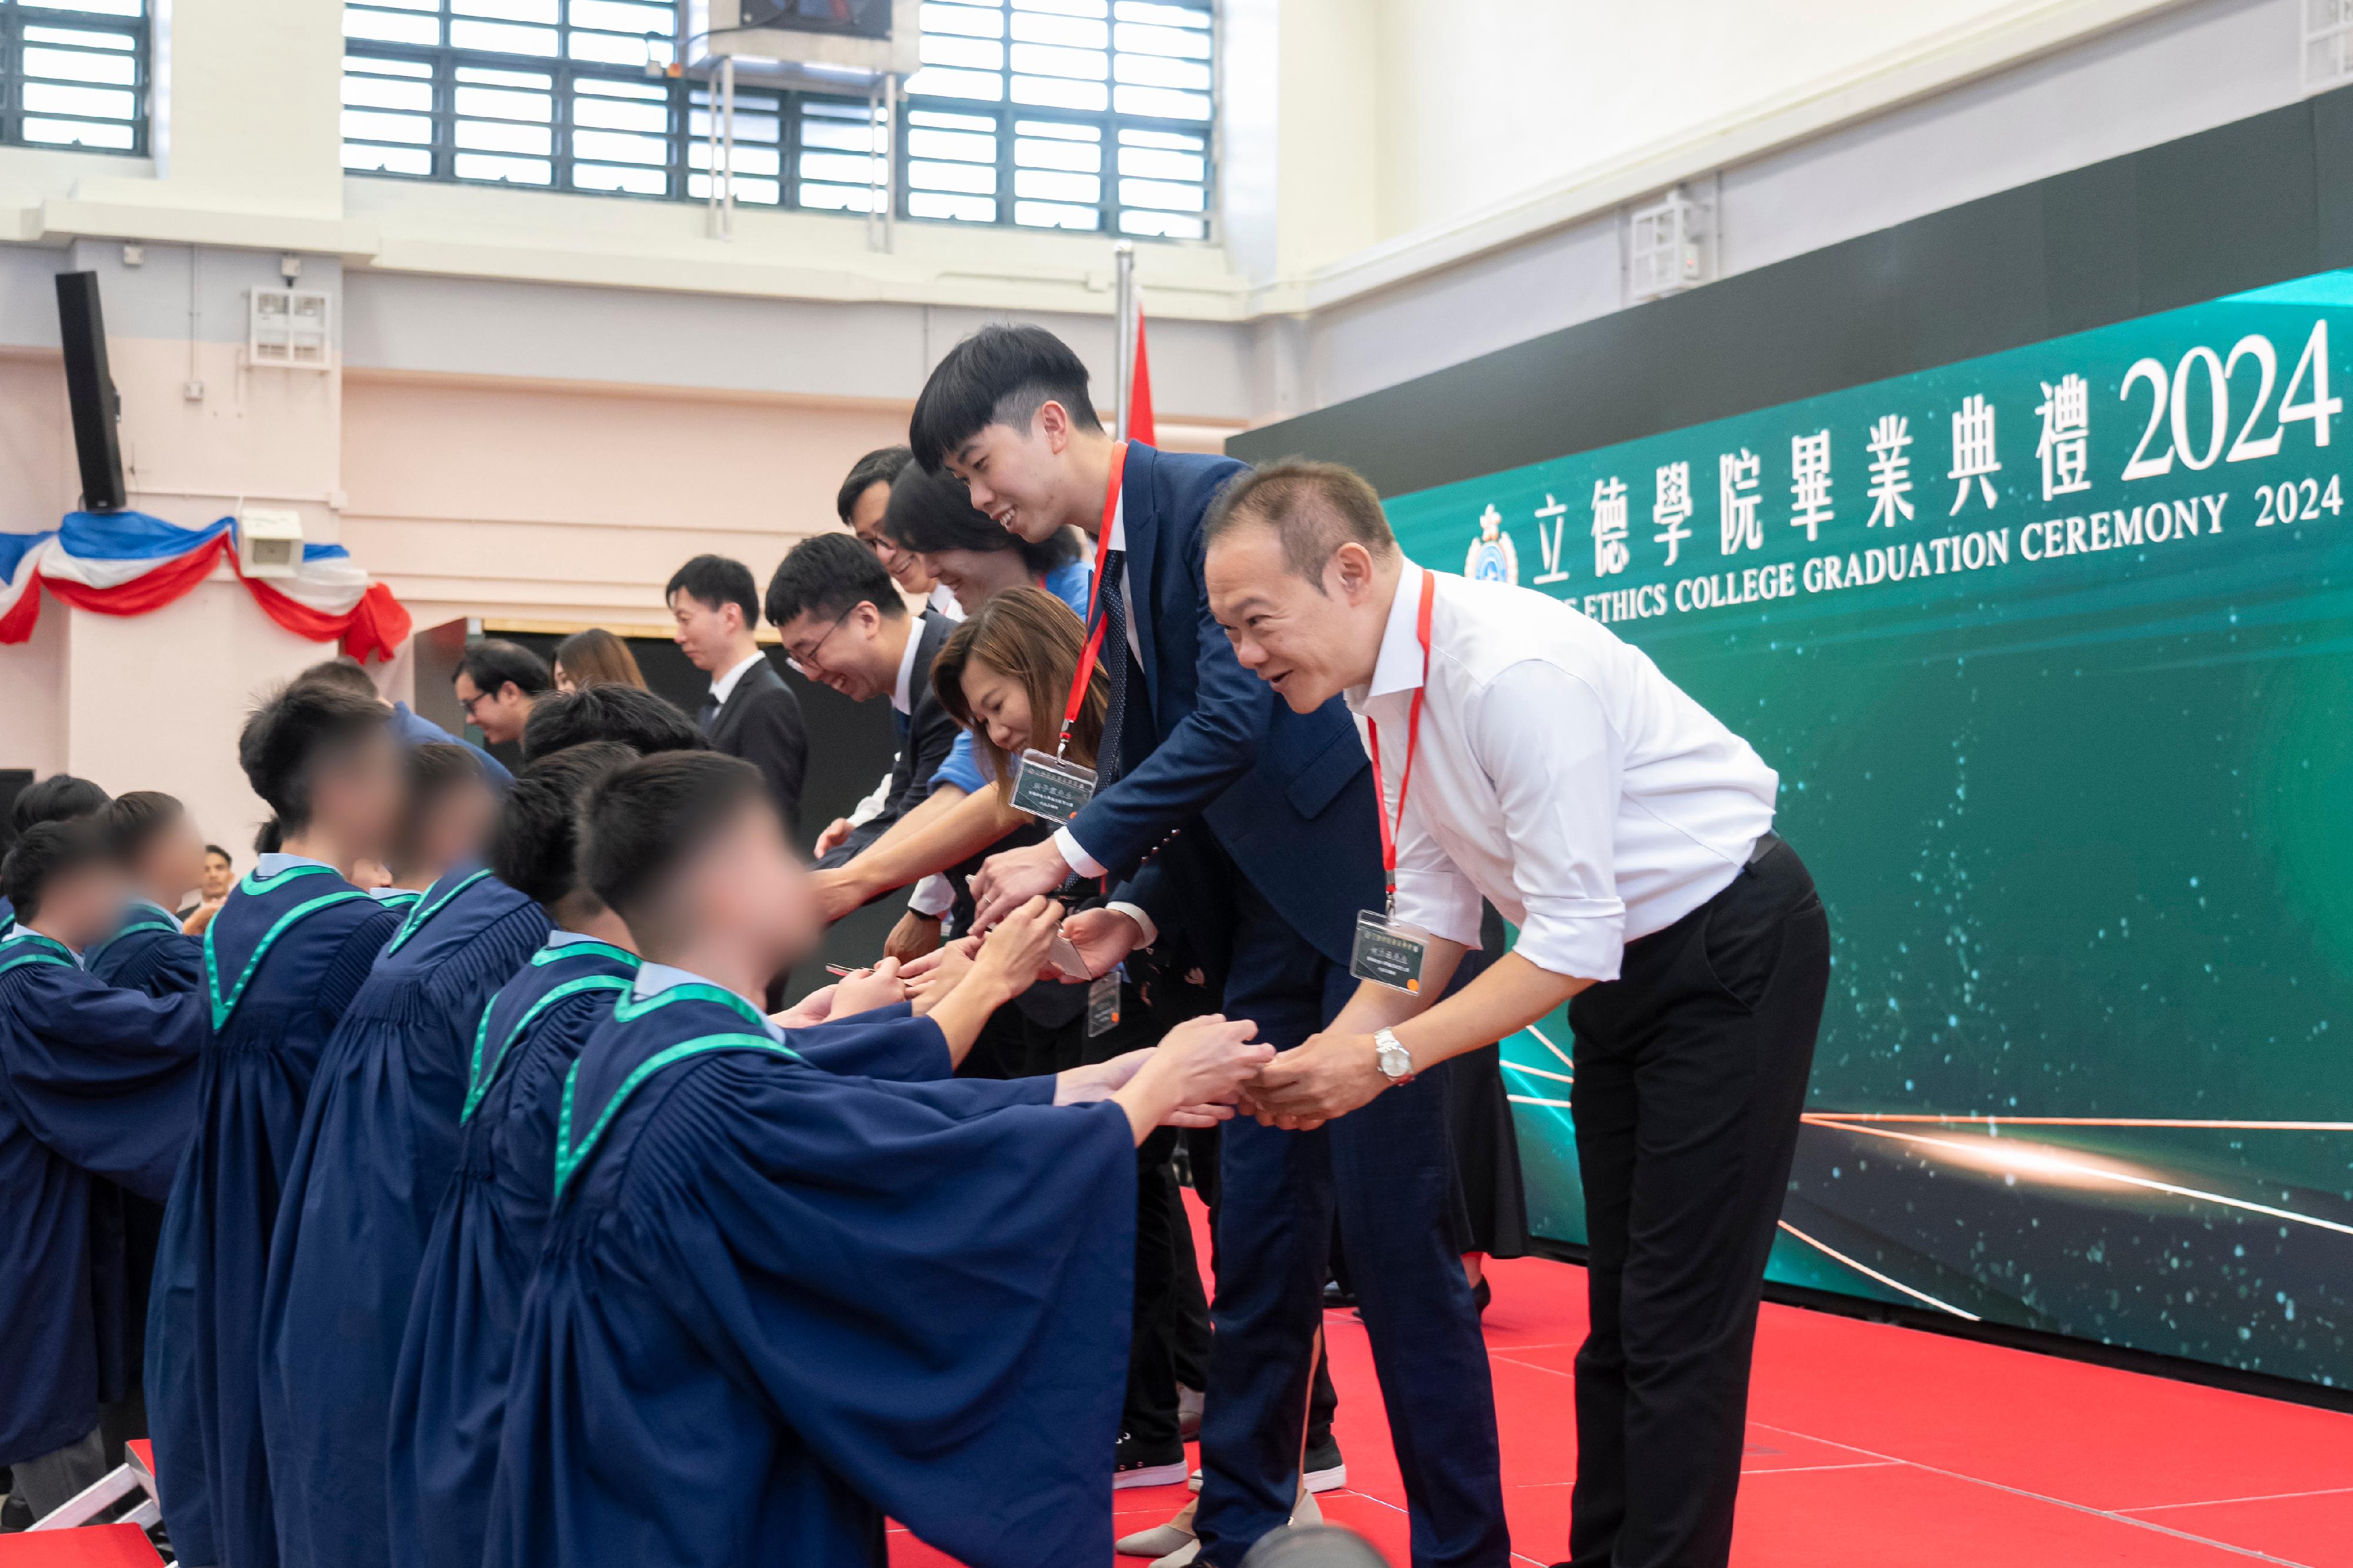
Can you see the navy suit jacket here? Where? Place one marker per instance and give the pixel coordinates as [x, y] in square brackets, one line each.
[1288, 795]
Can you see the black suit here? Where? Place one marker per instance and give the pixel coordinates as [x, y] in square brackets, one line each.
[761, 723]
[928, 734]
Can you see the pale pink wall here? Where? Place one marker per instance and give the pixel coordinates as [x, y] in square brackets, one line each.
[534, 501]
[35, 488]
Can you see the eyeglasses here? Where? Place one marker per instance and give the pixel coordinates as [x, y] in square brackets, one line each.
[803, 658]
[466, 704]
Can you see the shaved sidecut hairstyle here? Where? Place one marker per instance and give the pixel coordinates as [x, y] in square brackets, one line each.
[1313, 509]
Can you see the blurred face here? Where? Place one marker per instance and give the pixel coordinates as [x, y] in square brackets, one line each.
[218, 875]
[747, 880]
[498, 715]
[1024, 478]
[1000, 705]
[83, 907]
[357, 796]
[1293, 635]
[974, 576]
[460, 826]
[855, 653]
[906, 568]
[175, 861]
[708, 635]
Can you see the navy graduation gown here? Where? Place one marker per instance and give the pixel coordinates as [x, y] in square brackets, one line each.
[148, 952]
[449, 1390]
[379, 1140]
[449, 1393]
[776, 1302]
[283, 958]
[97, 1085]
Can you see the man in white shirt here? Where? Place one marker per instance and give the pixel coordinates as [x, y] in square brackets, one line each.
[1529, 757]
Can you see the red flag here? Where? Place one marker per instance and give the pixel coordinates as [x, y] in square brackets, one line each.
[1139, 395]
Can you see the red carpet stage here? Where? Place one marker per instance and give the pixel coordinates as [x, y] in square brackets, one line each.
[1874, 1447]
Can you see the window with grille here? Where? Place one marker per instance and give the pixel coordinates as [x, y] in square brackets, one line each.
[73, 73]
[1075, 114]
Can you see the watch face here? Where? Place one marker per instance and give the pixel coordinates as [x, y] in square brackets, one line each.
[1393, 1060]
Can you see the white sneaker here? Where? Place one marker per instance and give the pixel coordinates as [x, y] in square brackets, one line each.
[1181, 1556]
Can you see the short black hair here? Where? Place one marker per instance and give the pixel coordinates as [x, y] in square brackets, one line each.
[879, 467]
[715, 580]
[825, 575]
[1313, 507]
[934, 511]
[536, 848]
[643, 820]
[436, 770]
[48, 852]
[999, 375]
[269, 838]
[630, 715]
[344, 672]
[217, 849]
[60, 797]
[491, 663]
[286, 739]
[132, 820]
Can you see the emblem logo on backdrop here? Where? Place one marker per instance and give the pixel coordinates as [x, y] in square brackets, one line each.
[1492, 557]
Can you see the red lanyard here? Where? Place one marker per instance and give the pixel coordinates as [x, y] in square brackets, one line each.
[1412, 740]
[1086, 670]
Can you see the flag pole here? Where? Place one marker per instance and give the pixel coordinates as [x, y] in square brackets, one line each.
[1123, 333]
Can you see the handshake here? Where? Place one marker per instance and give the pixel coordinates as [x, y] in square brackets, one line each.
[1193, 1078]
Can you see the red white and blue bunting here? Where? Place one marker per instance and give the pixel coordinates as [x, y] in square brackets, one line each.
[128, 564]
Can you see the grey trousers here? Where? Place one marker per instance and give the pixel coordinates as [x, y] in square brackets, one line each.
[57, 1478]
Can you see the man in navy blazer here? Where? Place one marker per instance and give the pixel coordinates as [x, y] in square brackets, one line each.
[1254, 829]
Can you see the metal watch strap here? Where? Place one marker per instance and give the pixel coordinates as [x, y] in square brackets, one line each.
[1384, 1042]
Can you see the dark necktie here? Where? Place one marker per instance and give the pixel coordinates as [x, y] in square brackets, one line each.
[708, 714]
[1116, 664]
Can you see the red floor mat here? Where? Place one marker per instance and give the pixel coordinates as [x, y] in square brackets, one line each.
[1873, 1447]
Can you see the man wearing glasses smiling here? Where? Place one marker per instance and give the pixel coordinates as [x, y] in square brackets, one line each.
[496, 683]
[865, 495]
[750, 713]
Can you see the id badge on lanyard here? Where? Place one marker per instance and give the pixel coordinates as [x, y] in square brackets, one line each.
[1388, 951]
[1102, 1004]
[1050, 787]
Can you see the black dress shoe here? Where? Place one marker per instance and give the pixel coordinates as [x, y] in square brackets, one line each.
[1481, 1294]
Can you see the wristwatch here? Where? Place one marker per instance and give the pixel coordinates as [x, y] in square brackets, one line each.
[1394, 1059]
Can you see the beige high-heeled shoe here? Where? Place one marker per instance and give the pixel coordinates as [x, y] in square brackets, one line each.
[1305, 1512]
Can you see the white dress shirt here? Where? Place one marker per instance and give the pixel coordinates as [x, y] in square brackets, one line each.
[1559, 774]
[902, 699]
[1075, 853]
[723, 687]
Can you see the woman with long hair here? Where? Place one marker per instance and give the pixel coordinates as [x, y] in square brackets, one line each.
[595, 658]
[1004, 676]
[973, 557]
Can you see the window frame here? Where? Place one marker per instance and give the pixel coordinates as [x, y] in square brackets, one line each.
[15, 16]
[442, 61]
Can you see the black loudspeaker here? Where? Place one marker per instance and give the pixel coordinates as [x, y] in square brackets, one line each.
[81, 327]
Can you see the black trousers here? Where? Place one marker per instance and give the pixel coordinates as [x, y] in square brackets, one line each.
[1691, 1072]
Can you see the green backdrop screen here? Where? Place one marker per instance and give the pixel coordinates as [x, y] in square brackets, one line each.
[2054, 651]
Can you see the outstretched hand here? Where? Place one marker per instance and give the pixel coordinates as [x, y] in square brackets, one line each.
[1012, 877]
[1104, 937]
[1323, 1077]
[881, 986]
